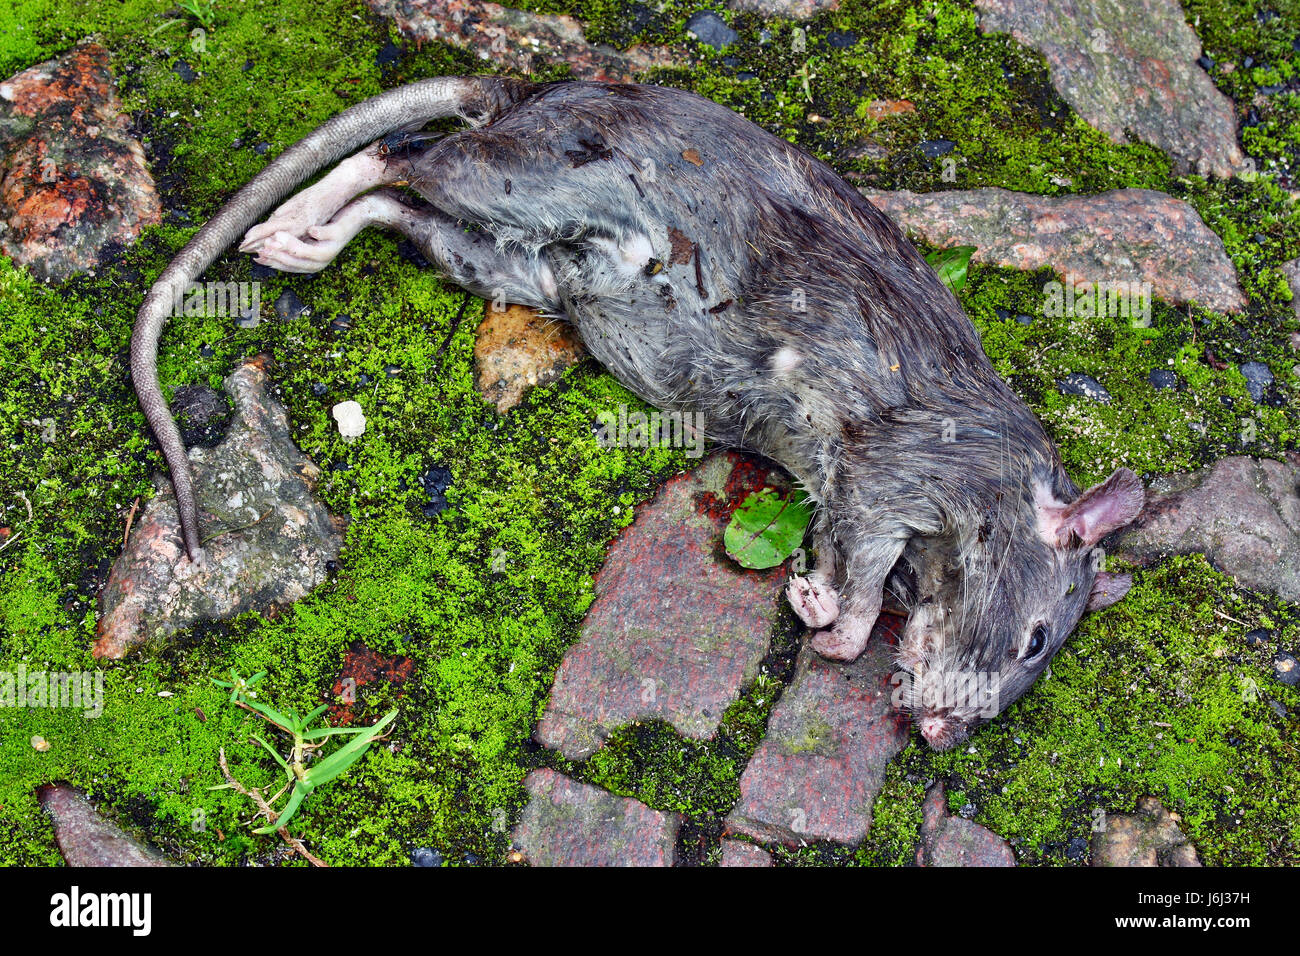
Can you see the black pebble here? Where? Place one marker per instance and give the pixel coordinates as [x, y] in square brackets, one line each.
[319, 388]
[1260, 635]
[841, 38]
[206, 351]
[1024, 319]
[1076, 383]
[1258, 377]
[934, 148]
[261, 148]
[259, 271]
[424, 856]
[1204, 62]
[1162, 378]
[248, 65]
[288, 307]
[435, 481]
[340, 466]
[1077, 849]
[364, 379]
[184, 71]
[331, 567]
[341, 322]
[389, 55]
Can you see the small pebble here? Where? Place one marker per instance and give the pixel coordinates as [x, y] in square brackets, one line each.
[341, 322]
[934, 148]
[288, 307]
[1260, 635]
[1258, 377]
[389, 55]
[710, 29]
[424, 856]
[1286, 669]
[1076, 383]
[1162, 378]
[841, 38]
[351, 420]
[184, 71]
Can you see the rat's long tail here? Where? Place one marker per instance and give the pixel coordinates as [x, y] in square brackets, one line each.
[406, 107]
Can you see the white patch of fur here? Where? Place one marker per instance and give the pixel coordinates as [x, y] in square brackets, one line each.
[785, 359]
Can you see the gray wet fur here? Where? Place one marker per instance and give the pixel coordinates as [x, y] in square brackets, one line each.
[712, 267]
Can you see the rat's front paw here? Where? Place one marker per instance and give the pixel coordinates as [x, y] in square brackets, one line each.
[843, 642]
[815, 602]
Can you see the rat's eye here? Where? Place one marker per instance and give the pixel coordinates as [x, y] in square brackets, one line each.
[1037, 641]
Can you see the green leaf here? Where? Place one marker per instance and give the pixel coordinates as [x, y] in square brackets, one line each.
[290, 808]
[339, 761]
[951, 265]
[766, 528]
[271, 750]
[314, 714]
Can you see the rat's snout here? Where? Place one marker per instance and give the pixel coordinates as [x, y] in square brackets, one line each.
[941, 729]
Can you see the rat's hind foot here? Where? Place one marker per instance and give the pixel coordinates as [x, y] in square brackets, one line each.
[317, 205]
[322, 243]
[846, 640]
[813, 599]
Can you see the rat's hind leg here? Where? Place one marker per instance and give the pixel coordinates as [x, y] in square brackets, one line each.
[318, 204]
[469, 258]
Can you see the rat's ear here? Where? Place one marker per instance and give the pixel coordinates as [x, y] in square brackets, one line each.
[1107, 588]
[1094, 514]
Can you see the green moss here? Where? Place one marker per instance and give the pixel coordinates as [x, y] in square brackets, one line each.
[486, 596]
[1159, 695]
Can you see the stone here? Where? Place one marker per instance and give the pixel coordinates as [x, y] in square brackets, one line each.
[519, 348]
[677, 629]
[567, 823]
[1124, 235]
[793, 9]
[87, 838]
[710, 29]
[350, 418]
[829, 739]
[1291, 270]
[515, 40]
[1258, 377]
[1149, 837]
[948, 840]
[74, 185]
[1286, 669]
[268, 539]
[740, 853]
[1076, 383]
[1242, 513]
[1129, 66]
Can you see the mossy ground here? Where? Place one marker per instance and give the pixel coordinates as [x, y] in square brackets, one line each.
[487, 637]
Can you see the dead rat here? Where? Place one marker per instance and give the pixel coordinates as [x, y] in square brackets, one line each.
[715, 268]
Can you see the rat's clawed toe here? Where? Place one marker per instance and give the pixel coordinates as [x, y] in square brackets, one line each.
[813, 600]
